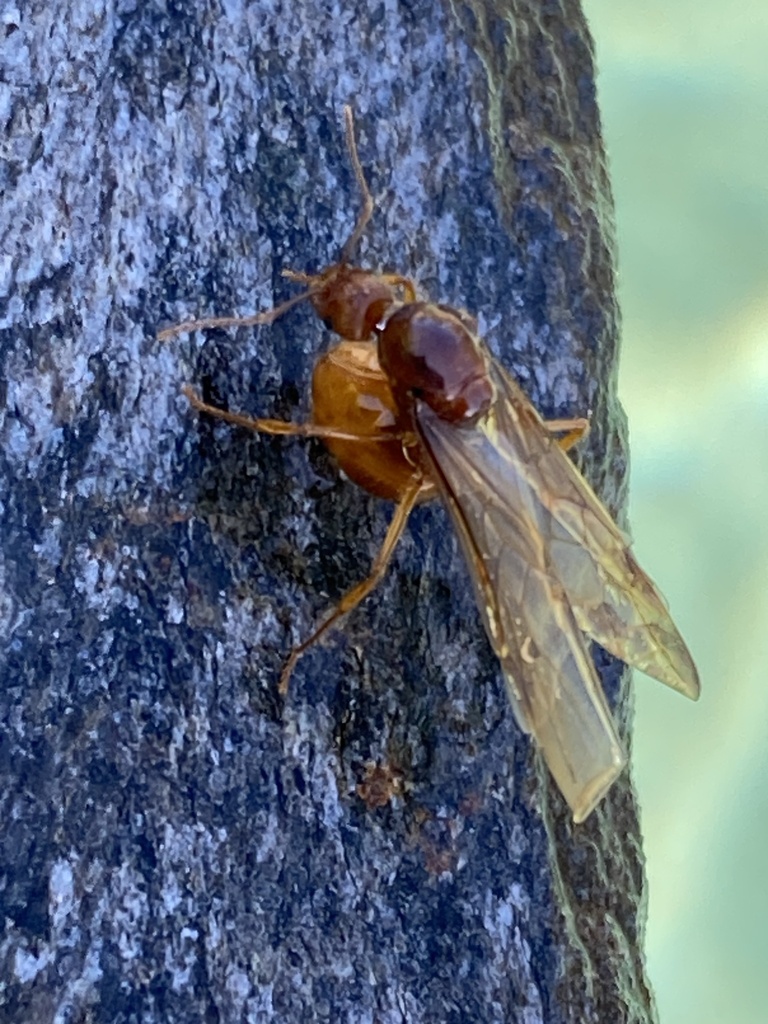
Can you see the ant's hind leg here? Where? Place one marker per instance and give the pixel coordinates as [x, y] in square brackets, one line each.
[360, 591]
[575, 430]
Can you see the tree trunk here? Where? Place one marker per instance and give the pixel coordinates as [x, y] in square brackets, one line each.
[180, 844]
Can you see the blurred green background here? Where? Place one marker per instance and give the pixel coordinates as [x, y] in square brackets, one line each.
[683, 88]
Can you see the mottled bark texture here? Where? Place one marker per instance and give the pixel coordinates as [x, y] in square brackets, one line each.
[178, 844]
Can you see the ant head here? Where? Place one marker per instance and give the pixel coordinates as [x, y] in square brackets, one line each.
[348, 300]
[351, 301]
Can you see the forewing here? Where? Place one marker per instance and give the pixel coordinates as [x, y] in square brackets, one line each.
[550, 677]
[548, 562]
[613, 600]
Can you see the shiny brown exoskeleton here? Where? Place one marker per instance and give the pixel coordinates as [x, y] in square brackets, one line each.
[412, 405]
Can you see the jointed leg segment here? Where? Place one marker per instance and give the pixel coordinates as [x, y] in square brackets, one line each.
[574, 431]
[360, 591]
[285, 428]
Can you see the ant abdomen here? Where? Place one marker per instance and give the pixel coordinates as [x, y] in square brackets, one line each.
[350, 393]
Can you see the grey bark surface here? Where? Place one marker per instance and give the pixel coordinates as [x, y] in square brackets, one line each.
[178, 843]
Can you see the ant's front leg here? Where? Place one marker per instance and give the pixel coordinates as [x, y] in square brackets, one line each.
[258, 319]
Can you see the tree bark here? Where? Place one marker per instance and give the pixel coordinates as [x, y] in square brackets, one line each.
[179, 844]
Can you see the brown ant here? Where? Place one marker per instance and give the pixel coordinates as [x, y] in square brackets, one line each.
[412, 405]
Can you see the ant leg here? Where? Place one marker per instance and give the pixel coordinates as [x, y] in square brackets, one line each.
[576, 429]
[268, 317]
[360, 591]
[283, 427]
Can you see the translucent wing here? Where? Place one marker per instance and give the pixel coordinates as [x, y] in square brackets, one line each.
[548, 563]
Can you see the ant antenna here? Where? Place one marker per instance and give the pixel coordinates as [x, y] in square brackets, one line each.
[367, 211]
[315, 281]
